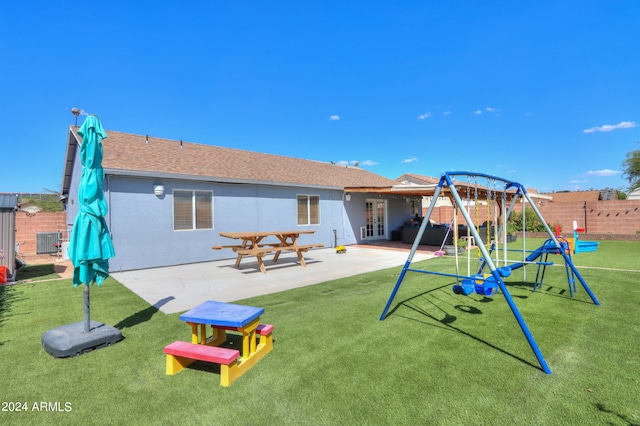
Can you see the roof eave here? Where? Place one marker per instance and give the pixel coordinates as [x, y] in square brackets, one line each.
[69, 159]
[403, 190]
[216, 179]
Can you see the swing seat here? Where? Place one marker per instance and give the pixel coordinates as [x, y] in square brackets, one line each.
[488, 287]
[465, 288]
[505, 271]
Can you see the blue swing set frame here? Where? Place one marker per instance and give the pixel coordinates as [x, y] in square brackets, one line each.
[492, 283]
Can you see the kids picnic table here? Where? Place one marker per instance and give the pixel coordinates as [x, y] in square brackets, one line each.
[252, 245]
[221, 317]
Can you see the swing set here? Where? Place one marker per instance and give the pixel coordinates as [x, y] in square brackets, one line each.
[491, 242]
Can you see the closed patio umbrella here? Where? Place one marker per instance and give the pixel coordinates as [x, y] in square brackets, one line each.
[90, 249]
[90, 246]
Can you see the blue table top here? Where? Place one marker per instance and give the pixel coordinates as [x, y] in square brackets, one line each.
[222, 314]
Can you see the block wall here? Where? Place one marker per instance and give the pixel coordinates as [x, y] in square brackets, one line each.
[29, 224]
[620, 217]
[602, 217]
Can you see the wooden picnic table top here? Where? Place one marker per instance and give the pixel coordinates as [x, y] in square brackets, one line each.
[251, 245]
[248, 235]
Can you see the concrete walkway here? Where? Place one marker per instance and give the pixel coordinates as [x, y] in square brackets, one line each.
[180, 288]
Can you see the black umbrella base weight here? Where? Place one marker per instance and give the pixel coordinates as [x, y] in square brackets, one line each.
[71, 339]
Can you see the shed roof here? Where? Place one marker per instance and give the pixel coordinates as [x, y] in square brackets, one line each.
[8, 201]
[129, 154]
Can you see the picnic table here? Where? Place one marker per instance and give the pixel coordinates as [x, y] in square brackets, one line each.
[252, 245]
[221, 317]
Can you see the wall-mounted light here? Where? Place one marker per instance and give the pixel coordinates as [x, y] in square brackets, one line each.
[158, 190]
[347, 197]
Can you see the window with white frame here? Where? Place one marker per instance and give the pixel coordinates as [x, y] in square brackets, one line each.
[192, 210]
[308, 210]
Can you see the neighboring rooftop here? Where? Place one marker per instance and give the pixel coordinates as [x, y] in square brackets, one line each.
[567, 196]
[411, 178]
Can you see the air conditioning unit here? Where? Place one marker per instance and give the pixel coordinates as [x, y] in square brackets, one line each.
[47, 242]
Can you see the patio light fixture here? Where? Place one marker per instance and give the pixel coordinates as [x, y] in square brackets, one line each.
[158, 190]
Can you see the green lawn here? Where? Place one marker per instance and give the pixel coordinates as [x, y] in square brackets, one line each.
[438, 358]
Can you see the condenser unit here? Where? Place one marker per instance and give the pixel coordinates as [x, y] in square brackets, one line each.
[47, 242]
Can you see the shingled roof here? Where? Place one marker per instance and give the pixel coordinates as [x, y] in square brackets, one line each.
[418, 179]
[130, 154]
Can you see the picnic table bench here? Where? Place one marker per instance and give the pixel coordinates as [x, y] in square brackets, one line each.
[257, 339]
[252, 245]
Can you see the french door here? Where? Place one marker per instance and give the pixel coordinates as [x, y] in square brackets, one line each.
[376, 219]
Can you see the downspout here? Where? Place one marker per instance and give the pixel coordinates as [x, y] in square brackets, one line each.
[109, 198]
[343, 213]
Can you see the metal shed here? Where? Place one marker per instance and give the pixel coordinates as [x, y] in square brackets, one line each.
[8, 208]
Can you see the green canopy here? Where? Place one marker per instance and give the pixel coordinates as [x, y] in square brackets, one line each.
[90, 244]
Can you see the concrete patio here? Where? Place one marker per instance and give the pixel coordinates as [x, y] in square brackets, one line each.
[180, 288]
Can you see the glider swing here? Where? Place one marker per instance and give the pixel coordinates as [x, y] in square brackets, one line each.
[490, 283]
[482, 284]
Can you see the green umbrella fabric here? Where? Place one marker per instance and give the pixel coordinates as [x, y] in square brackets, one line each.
[90, 244]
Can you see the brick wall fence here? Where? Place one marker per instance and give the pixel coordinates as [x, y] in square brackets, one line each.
[590, 236]
[613, 217]
[597, 217]
[28, 225]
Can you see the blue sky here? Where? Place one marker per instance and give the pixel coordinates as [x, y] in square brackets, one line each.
[546, 93]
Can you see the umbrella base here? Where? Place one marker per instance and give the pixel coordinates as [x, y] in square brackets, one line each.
[71, 340]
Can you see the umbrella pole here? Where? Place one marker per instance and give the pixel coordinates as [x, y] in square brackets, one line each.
[87, 327]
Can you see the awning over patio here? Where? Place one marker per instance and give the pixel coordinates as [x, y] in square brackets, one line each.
[428, 190]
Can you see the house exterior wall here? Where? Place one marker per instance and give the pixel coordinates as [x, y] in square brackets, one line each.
[398, 212]
[71, 206]
[141, 223]
[141, 226]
